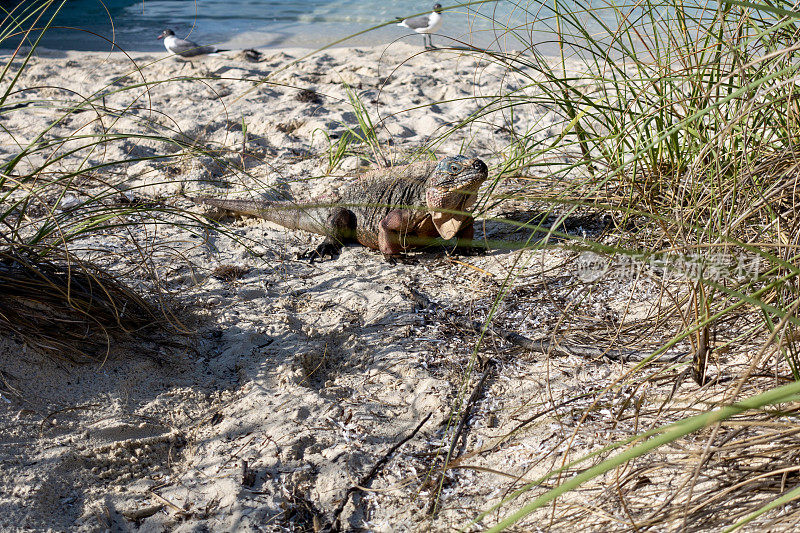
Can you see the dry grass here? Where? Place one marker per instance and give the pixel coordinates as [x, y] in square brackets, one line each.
[68, 308]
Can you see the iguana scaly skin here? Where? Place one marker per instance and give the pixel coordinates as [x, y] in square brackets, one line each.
[391, 210]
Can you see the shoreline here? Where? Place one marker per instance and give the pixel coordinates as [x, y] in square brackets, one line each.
[312, 35]
[268, 40]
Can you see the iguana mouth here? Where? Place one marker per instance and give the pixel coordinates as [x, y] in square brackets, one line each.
[467, 183]
[458, 197]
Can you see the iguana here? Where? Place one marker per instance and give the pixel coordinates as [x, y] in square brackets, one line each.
[390, 210]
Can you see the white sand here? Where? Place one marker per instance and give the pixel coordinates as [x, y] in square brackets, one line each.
[308, 372]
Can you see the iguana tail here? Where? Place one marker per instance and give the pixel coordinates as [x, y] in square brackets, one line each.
[309, 218]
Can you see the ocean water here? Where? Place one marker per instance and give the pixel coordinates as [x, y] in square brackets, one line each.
[135, 24]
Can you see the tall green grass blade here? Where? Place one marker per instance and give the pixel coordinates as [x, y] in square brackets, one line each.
[655, 439]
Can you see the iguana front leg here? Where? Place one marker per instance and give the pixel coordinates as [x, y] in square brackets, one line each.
[396, 226]
[390, 231]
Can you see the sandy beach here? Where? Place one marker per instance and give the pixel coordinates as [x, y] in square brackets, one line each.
[298, 377]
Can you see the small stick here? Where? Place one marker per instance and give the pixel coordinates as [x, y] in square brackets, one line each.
[169, 504]
[367, 479]
[476, 392]
[248, 475]
[144, 512]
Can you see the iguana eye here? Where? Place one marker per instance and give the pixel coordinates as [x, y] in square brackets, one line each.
[454, 168]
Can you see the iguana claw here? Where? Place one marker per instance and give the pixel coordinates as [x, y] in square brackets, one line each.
[394, 259]
[465, 251]
[326, 249]
[470, 251]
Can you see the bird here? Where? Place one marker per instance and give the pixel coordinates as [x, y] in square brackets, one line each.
[425, 24]
[184, 48]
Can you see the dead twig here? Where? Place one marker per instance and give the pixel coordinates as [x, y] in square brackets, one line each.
[367, 478]
[144, 512]
[163, 500]
[473, 398]
[248, 475]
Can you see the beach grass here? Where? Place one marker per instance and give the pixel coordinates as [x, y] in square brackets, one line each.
[60, 293]
[681, 122]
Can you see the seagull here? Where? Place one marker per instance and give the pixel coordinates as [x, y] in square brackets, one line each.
[184, 48]
[425, 24]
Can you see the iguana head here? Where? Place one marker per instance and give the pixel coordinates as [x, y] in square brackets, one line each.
[453, 186]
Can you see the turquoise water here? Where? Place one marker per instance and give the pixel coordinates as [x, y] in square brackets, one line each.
[259, 23]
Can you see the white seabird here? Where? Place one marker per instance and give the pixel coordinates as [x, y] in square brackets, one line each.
[184, 48]
[425, 24]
